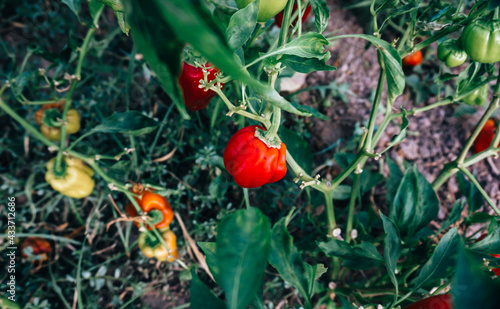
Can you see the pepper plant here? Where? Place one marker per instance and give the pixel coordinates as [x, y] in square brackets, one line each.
[224, 60]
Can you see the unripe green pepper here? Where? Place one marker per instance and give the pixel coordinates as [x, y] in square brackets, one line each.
[481, 40]
[478, 97]
[267, 8]
[451, 53]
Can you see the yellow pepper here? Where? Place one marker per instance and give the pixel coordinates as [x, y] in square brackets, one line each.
[153, 248]
[54, 133]
[77, 180]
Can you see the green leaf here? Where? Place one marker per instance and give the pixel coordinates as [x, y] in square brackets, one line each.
[163, 56]
[130, 123]
[392, 249]
[392, 61]
[298, 148]
[311, 111]
[94, 7]
[471, 193]
[321, 14]
[210, 257]
[313, 274]
[455, 215]
[393, 181]
[74, 6]
[115, 5]
[287, 260]
[362, 256]
[122, 22]
[306, 65]
[443, 260]
[369, 180]
[201, 297]
[241, 25]
[308, 45]
[490, 244]
[415, 204]
[242, 250]
[472, 288]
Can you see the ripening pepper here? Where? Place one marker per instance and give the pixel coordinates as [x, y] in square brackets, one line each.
[485, 137]
[150, 202]
[451, 53]
[35, 249]
[267, 8]
[151, 247]
[478, 97]
[412, 60]
[52, 113]
[442, 301]
[251, 161]
[194, 95]
[77, 180]
[481, 40]
[279, 17]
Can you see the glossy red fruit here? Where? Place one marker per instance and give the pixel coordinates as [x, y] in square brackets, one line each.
[413, 60]
[279, 17]
[251, 162]
[196, 98]
[485, 137]
[442, 301]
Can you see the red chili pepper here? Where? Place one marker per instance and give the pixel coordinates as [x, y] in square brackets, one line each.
[413, 60]
[279, 17]
[442, 301]
[485, 137]
[251, 162]
[196, 98]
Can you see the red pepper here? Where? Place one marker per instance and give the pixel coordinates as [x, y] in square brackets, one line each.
[442, 301]
[150, 201]
[35, 248]
[279, 16]
[485, 137]
[252, 162]
[413, 60]
[196, 98]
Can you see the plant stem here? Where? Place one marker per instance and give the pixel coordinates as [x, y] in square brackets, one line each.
[247, 199]
[58, 168]
[332, 224]
[481, 190]
[352, 203]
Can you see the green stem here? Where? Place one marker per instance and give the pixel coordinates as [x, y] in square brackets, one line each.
[481, 190]
[489, 111]
[284, 29]
[247, 199]
[58, 168]
[352, 203]
[330, 211]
